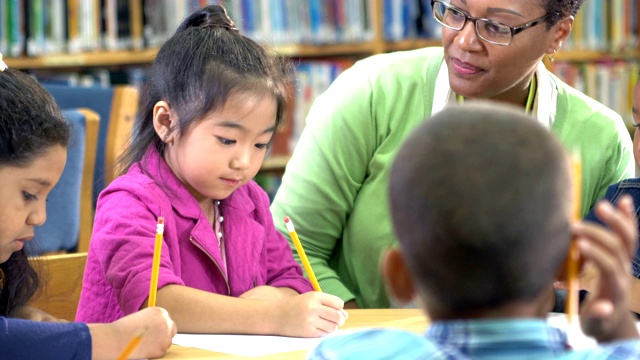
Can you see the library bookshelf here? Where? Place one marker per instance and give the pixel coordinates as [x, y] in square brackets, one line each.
[580, 63]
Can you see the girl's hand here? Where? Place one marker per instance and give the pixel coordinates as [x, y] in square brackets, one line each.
[312, 314]
[33, 314]
[605, 314]
[153, 324]
[265, 292]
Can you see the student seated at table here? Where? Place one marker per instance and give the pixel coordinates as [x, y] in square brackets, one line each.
[211, 108]
[480, 205]
[33, 152]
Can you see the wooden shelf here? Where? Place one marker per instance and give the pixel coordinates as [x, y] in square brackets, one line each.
[276, 162]
[310, 50]
[590, 56]
[97, 58]
[113, 58]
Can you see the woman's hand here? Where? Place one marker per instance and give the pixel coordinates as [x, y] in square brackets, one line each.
[312, 314]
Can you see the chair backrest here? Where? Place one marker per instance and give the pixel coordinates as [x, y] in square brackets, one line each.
[70, 203]
[61, 282]
[117, 108]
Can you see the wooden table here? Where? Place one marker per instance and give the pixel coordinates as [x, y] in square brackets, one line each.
[408, 319]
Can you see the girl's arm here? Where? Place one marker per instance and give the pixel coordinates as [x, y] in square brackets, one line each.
[23, 339]
[312, 314]
[31, 313]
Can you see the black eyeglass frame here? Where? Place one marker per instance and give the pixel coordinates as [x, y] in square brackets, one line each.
[514, 29]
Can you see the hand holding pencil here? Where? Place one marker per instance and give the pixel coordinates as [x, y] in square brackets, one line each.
[605, 313]
[301, 315]
[144, 334]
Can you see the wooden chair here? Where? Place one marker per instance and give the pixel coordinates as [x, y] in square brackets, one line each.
[117, 107]
[86, 197]
[60, 284]
[70, 203]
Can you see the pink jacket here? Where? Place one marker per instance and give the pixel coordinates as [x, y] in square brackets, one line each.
[118, 271]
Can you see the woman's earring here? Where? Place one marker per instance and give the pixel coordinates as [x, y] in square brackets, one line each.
[551, 56]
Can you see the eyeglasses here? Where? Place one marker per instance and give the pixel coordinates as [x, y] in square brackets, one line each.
[488, 30]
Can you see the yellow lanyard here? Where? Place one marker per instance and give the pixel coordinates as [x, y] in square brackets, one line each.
[530, 98]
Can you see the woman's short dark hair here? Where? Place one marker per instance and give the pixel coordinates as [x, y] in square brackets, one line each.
[559, 9]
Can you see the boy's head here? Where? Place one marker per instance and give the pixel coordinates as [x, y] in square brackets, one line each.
[480, 199]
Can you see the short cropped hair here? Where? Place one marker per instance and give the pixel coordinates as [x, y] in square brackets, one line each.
[559, 9]
[480, 198]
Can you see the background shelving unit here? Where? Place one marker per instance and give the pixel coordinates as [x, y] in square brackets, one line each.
[601, 58]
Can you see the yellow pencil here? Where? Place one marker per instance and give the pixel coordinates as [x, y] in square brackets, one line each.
[155, 268]
[573, 257]
[303, 256]
[133, 344]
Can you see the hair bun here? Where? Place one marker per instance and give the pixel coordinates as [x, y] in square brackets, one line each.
[212, 16]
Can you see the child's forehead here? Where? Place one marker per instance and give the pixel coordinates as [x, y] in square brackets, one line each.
[44, 167]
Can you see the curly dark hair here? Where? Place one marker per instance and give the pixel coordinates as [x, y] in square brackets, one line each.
[30, 123]
[559, 9]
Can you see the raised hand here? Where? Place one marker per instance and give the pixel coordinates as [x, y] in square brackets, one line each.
[605, 313]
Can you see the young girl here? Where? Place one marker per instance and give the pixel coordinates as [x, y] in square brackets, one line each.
[33, 141]
[213, 102]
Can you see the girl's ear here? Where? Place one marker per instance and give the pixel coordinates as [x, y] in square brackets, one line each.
[561, 34]
[164, 121]
[397, 277]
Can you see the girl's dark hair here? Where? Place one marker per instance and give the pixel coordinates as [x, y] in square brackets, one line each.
[560, 9]
[30, 123]
[198, 69]
[20, 283]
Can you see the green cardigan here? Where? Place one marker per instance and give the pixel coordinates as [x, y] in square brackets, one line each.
[335, 186]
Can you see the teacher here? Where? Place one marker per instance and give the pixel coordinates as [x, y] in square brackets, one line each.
[334, 187]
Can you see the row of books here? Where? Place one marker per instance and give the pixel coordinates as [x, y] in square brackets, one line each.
[406, 19]
[311, 21]
[606, 25]
[313, 78]
[43, 27]
[610, 82]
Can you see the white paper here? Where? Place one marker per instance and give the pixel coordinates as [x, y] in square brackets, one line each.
[575, 337]
[246, 345]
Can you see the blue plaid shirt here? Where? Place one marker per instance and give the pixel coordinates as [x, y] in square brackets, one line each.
[468, 339]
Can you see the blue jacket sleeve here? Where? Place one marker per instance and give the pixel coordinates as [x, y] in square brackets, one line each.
[23, 339]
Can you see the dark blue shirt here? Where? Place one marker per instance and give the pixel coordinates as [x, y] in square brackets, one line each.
[614, 192]
[24, 339]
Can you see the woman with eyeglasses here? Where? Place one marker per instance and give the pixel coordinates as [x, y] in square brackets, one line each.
[335, 184]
